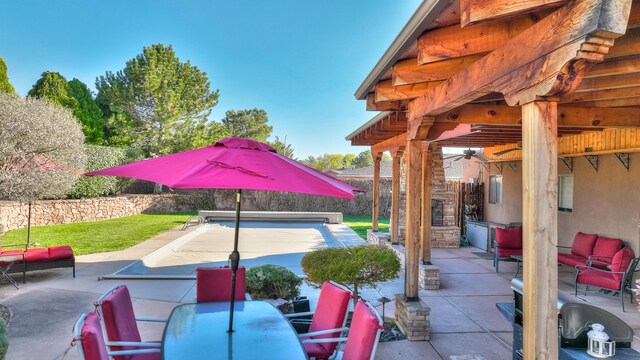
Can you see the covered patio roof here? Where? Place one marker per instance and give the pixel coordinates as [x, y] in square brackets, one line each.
[493, 73]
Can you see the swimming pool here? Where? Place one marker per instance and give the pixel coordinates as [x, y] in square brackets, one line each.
[261, 242]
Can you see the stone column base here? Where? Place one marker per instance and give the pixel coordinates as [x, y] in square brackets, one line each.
[412, 317]
[429, 277]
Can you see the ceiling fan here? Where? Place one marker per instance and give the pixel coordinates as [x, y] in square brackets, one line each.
[467, 155]
[505, 151]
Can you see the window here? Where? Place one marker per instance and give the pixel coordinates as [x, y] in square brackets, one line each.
[495, 189]
[565, 193]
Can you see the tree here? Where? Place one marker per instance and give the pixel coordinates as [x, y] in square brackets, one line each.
[53, 87]
[363, 159]
[155, 99]
[41, 151]
[282, 147]
[87, 112]
[359, 266]
[329, 161]
[5, 85]
[250, 124]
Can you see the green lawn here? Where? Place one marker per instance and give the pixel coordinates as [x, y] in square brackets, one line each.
[99, 236]
[361, 224]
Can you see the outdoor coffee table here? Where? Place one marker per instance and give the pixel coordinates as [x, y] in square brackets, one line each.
[199, 331]
[9, 260]
[518, 259]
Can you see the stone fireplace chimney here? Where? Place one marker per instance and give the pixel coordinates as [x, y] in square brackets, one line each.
[444, 231]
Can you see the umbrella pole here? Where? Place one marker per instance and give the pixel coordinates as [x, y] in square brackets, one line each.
[235, 260]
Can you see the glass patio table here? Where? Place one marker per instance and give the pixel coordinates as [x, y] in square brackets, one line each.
[199, 331]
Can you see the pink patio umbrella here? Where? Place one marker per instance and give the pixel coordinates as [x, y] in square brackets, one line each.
[233, 163]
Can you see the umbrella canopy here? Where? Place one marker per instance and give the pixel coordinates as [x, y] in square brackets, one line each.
[233, 163]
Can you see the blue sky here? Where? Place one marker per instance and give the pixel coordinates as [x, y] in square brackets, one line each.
[299, 60]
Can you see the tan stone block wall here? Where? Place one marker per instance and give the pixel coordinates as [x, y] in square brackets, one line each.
[13, 215]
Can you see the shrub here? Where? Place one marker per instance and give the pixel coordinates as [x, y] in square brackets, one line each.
[4, 338]
[99, 157]
[358, 266]
[272, 282]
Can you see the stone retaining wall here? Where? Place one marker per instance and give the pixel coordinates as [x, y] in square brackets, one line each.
[13, 215]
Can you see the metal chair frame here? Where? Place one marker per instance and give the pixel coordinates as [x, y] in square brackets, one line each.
[626, 284]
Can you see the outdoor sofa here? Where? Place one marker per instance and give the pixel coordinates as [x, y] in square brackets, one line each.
[33, 259]
[508, 243]
[590, 249]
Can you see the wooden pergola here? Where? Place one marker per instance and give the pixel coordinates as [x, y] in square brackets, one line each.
[526, 71]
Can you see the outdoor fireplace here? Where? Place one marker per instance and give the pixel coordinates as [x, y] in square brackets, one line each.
[437, 213]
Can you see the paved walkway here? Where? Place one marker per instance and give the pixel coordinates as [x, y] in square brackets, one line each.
[465, 323]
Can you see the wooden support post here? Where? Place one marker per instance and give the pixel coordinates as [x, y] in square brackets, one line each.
[425, 241]
[395, 196]
[375, 194]
[540, 235]
[412, 229]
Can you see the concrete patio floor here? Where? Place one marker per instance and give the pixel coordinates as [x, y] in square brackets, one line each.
[465, 323]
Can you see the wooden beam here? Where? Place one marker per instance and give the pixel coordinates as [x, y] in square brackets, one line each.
[385, 91]
[621, 66]
[610, 94]
[395, 197]
[609, 82]
[372, 105]
[549, 58]
[396, 142]
[425, 234]
[627, 45]
[408, 71]
[412, 215]
[567, 116]
[610, 103]
[473, 11]
[634, 17]
[419, 128]
[540, 232]
[375, 194]
[454, 42]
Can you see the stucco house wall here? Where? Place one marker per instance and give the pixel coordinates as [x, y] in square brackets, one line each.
[604, 203]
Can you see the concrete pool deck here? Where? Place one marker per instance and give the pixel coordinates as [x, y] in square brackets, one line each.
[464, 319]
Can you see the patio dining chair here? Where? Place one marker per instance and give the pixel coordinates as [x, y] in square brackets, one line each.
[119, 323]
[214, 284]
[89, 339]
[619, 279]
[362, 340]
[328, 320]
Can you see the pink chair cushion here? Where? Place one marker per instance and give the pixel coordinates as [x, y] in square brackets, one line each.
[605, 249]
[621, 261]
[93, 345]
[362, 333]
[31, 255]
[120, 320]
[583, 244]
[214, 284]
[317, 351]
[509, 238]
[508, 252]
[598, 278]
[60, 253]
[330, 313]
[571, 260]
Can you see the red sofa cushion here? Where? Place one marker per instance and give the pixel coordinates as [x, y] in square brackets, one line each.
[598, 278]
[583, 244]
[508, 252]
[621, 261]
[509, 238]
[571, 260]
[605, 249]
[60, 253]
[31, 255]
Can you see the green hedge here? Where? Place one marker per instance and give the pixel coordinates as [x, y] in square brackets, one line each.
[272, 282]
[100, 157]
[4, 339]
